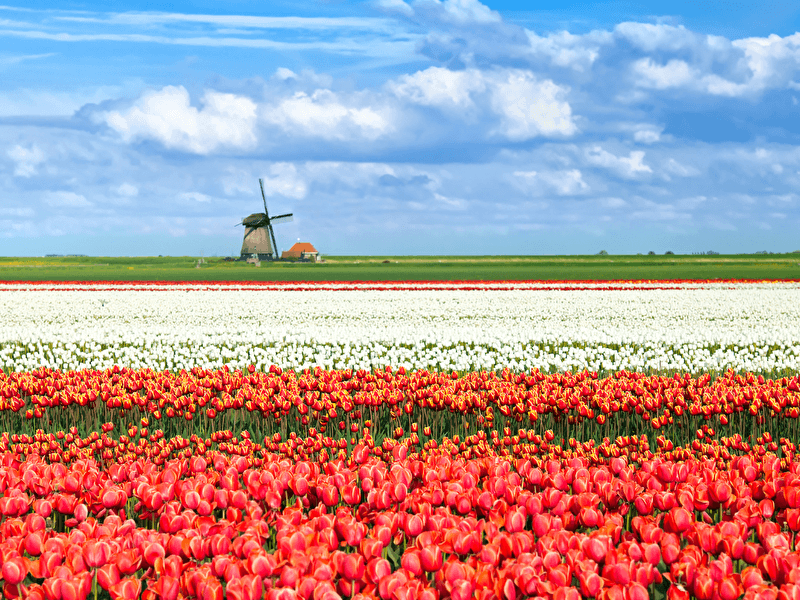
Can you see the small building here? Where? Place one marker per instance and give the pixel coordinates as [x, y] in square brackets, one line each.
[303, 251]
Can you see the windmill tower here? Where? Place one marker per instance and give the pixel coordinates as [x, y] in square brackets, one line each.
[259, 237]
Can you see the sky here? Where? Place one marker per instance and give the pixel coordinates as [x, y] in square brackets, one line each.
[400, 127]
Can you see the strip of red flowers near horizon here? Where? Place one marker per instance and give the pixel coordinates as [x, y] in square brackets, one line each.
[500, 285]
[423, 503]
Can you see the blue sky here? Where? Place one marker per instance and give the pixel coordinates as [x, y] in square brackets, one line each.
[394, 127]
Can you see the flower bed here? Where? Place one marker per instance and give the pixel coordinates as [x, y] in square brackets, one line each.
[691, 327]
[464, 491]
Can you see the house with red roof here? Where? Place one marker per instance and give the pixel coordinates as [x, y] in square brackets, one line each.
[303, 251]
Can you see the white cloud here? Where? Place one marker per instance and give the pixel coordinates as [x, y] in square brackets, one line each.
[195, 197]
[749, 65]
[127, 190]
[773, 60]
[629, 167]
[62, 199]
[284, 181]
[26, 159]
[226, 120]
[647, 135]
[464, 11]
[676, 73]
[564, 183]
[651, 37]
[529, 108]
[577, 52]
[397, 6]
[323, 115]
[283, 74]
[441, 87]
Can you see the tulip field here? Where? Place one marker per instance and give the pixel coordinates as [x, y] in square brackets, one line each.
[400, 441]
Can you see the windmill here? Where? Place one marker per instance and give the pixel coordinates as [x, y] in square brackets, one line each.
[259, 237]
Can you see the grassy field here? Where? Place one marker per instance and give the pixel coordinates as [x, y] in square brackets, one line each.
[399, 268]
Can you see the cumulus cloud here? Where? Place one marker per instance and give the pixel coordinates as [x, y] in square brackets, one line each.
[166, 115]
[284, 181]
[437, 86]
[647, 135]
[627, 167]
[711, 64]
[676, 73]
[26, 159]
[651, 37]
[322, 114]
[529, 107]
[577, 52]
[462, 11]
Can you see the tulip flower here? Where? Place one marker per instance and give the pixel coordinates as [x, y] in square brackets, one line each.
[13, 571]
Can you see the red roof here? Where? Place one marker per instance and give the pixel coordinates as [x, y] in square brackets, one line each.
[302, 247]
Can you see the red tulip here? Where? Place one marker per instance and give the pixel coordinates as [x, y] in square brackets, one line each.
[636, 591]
[152, 551]
[788, 591]
[414, 525]
[595, 549]
[96, 553]
[33, 543]
[591, 583]
[566, 593]
[411, 561]
[377, 569]
[430, 557]
[703, 586]
[751, 577]
[729, 589]
[14, 570]
[678, 520]
[108, 575]
[263, 565]
[515, 520]
[166, 587]
[463, 590]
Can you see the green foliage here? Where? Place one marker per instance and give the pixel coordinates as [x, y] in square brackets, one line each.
[405, 268]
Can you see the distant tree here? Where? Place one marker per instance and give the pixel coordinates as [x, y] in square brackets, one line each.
[602, 253]
[651, 253]
[669, 252]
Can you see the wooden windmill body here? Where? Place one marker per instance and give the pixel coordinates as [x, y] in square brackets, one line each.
[259, 236]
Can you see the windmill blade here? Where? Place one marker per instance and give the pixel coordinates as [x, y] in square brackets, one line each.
[288, 218]
[263, 196]
[275, 252]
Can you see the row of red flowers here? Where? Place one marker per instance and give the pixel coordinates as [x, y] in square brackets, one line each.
[349, 406]
[406, 526]
[487, 282]
[399, 506]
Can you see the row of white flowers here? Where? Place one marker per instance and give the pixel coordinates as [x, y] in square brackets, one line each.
[753, 327]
